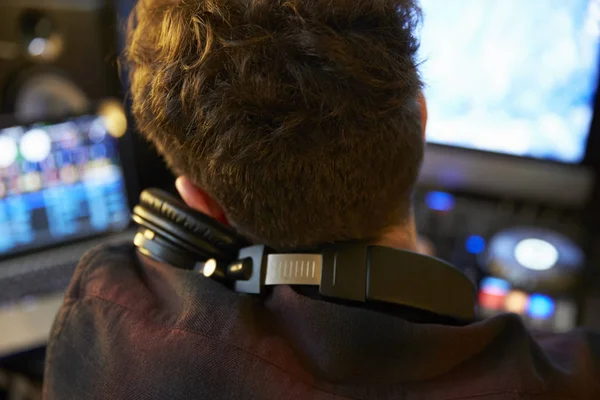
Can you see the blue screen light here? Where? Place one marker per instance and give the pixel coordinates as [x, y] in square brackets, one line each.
[475, 244]
[440, 201]
[540, 306]
[98, 151]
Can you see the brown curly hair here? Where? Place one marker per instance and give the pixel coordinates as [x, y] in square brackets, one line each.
[298, 116]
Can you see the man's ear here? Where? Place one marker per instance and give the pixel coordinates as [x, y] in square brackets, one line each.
[423, 110]
[199, 200]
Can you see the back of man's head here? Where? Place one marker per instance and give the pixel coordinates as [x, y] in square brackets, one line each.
[299, 117]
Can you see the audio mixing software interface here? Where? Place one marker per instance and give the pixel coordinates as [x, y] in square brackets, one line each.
[59, 182]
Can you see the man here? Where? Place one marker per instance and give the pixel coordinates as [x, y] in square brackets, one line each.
[298, 123]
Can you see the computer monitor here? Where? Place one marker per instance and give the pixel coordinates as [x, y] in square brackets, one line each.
[59, 182]
[511, 88]
[511, 76]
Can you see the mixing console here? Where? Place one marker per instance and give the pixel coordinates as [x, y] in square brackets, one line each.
[524, 258]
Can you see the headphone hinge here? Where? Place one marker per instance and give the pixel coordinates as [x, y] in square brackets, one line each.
[258, 254]
[344, 272]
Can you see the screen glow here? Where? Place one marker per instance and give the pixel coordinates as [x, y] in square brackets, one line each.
[59, 184]
[35, 145]
[8, 151]
[511, 76]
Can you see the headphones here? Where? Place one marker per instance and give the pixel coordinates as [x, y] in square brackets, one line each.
[171, 232]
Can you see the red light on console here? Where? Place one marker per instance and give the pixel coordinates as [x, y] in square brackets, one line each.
[492, 294]
[491, 301]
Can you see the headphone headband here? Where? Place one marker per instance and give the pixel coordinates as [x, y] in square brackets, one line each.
[359, 272]
[349, 271]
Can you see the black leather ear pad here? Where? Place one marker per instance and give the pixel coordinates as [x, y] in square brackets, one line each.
[191, 229]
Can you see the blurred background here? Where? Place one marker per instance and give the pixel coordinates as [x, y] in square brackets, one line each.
[508, 192]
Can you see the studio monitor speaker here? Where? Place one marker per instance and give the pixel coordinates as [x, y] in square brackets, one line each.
[56, 56]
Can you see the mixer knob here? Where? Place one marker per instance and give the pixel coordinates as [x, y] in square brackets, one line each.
[534, 259]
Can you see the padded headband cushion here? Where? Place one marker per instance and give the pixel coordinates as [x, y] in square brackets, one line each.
[200, 226]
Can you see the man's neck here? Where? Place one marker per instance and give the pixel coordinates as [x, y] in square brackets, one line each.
[402, 237]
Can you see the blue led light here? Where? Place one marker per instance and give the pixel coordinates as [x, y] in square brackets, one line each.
[475, 244]
[540, 306]
[440, 201]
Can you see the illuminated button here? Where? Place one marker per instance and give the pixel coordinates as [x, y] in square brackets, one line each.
[495, 286]
[490, 301]
[540, 306]
[440, 201]
[475, 244]
[493, 293]
[35, 145]
[8, 151]
[516, 302]
[536, 254]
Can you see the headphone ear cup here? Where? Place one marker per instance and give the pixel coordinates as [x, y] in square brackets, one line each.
[187, 228]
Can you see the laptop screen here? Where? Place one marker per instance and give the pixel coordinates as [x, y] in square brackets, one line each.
[59, 182]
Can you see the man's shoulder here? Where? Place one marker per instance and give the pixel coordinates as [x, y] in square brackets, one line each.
[119, 275]
[110, 260]
[109, 255]
[576, 349]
